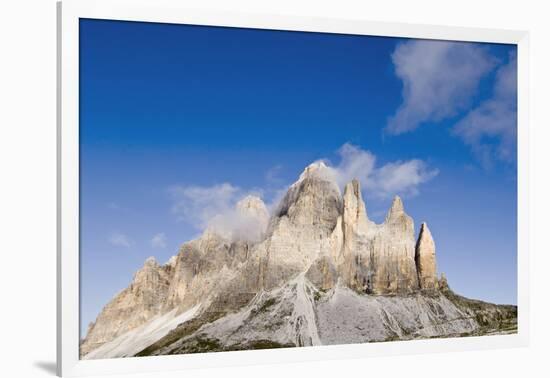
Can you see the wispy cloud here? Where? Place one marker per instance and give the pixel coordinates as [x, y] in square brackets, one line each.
[120, 240]
[199, 204]
[218, 207]
[439, 79]
[491, 128]
[159, 240]
[398, 177]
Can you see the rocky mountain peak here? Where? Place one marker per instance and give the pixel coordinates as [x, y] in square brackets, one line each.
[396, 210]
[313, 200]
[151, 262]
[150, 274]
[301, 226]
[253, 206]
[425, 259]
[425, 233]
[132, 307]
[399, 224]
[318, 170]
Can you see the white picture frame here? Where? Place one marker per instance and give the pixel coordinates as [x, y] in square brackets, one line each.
[167, 11]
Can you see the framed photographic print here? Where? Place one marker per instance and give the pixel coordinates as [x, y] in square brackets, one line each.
[246, 188]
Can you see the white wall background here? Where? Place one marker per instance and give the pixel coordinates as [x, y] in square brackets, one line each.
[27, 188]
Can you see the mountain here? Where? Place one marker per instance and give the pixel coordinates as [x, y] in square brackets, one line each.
[317, 271]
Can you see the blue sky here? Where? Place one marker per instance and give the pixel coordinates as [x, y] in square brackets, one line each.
[169, 110]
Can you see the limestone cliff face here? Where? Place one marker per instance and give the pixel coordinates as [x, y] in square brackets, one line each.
[300, 228]
[202, 266]
[133, 306]
[314, 201]
[356, 225]
[199, 270]
[395, 265]
[377, 259]
[316, 240]
[425, 259]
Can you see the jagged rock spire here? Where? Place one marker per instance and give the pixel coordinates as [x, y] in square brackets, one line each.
[396, 210]
[399, 223]
[355, 212]
[355, 225]
[425, 259]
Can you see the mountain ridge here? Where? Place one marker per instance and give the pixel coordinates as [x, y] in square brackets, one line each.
[319, 258]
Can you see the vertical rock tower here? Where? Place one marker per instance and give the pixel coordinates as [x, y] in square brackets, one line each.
[376, 258]
[425, 260]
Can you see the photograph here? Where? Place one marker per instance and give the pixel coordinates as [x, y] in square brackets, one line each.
[244, 189]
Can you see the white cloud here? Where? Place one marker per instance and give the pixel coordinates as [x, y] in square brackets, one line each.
[355, 163]
[494, 120]
[439, 79]
[215, 207]
[399, 177]
[120, 240]
[241, 223]
[199, 204]
[159, 240]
